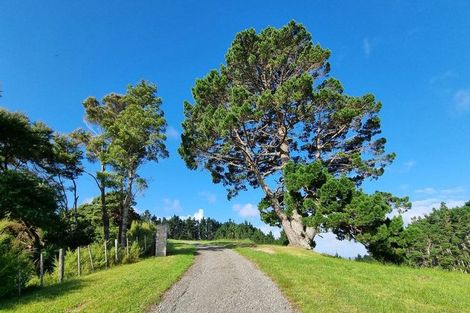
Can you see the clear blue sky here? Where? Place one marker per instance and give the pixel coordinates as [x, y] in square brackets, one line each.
[413, 56]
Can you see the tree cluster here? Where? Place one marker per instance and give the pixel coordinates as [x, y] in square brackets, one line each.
[210, 229]
[39, 169]
[440, 239]
[124, 131]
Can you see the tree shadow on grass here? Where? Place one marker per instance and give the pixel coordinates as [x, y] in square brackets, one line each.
[231, 244]
[37, 294]
[176, 248]
[239, 245]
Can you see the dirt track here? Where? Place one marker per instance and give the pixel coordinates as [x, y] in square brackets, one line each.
[223, 281]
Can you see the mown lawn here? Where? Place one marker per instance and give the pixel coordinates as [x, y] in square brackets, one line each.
[125, 288]
[318, 283]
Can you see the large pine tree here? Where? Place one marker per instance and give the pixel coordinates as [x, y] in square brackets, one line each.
[273, 104]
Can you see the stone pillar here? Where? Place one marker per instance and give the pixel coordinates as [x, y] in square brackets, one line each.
[160, 240]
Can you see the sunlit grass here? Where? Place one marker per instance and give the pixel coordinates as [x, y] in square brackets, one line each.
[319, 283]
[125, 288]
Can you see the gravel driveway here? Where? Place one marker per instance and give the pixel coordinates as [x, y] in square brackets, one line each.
[223, 281]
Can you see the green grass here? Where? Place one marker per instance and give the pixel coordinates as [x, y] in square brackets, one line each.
[319, 283]
[125, 288]
[227, 243]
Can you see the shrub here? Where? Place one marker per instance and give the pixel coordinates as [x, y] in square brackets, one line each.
[134, 252]
[143, 233]
[16, 267]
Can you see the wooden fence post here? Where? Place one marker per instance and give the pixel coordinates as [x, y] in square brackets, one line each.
[116, 250]
[61, 265]
[145, 244]
[91, 259]
[41, 269]
[79, 267]
[106, 253]
[127, 247]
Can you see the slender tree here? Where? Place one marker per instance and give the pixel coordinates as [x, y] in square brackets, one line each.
[138, 136]
[99, 117]
[68, 166]
[273, 104]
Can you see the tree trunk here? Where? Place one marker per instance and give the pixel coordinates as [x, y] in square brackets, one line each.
[125, 209]
[104, 211]
[75, 200]
[121, 210]
[299, 235]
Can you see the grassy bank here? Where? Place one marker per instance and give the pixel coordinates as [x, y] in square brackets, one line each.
[125, 288]
[227, 243]
[318, 283]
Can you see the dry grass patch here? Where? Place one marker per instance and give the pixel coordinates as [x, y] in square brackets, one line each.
[265, 249]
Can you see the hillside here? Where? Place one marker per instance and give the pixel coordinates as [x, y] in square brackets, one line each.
[319, 283]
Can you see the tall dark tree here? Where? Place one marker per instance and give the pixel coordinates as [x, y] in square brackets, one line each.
[24, 144]
[34, 160]
[272, 104]
[26, 198]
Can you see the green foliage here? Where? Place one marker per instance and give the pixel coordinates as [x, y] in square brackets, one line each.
[134, 253]
[231, 230]
[263, 97]
[138, 136]
[210, 229]
[34, 147]
[334, 204]
[16, 267]
[273, 103]
[138, 132]
[26, 197]
[31, 200]
[23, 142]
[98, 255]
[38, 169]
[132, 132]
[67, 157]
[91, 214]
[192, 229]
[143, 233]
[440, 239]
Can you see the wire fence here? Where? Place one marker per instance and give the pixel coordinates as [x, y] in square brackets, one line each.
[84, 260]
